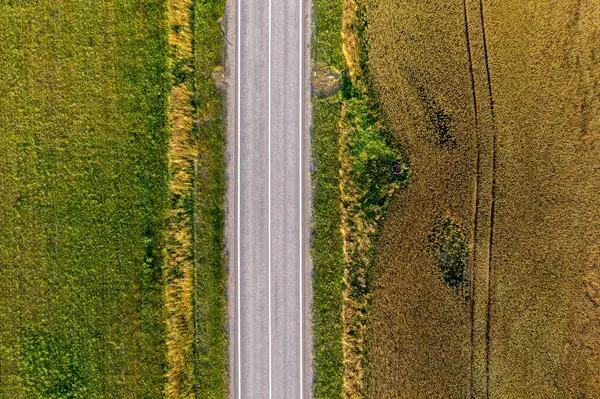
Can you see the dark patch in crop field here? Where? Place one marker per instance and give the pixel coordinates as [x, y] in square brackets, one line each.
[438, 120]
[449, 247]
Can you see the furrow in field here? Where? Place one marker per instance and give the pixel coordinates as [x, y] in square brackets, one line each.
[484, 200]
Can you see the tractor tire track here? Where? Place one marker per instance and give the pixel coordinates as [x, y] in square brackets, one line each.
[493, 199]
[481, 295]
[476, 207]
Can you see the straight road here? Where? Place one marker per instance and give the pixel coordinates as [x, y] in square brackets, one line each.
[268, 329]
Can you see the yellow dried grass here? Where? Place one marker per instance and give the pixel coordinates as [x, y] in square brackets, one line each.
[350, 44]
[179, 262]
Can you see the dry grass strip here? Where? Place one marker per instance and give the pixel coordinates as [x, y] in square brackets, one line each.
[179, 265]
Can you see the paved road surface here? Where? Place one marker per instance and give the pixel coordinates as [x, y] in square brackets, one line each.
[268, 330]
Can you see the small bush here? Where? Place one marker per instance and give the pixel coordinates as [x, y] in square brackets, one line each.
[452, 256]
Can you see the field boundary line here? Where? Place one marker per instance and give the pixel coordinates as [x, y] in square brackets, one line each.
[300, 182]
[195, 270]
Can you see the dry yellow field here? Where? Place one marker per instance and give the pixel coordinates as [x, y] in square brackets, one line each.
[497, 104]
[545, 320]
[420, 344]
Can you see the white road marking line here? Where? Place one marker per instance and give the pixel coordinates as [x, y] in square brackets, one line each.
[269, 207]
[300, 97]
[238, 188]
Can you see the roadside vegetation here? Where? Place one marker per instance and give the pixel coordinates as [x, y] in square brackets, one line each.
[364, 167]
[83, 171]
[195, 278]
[326, 239]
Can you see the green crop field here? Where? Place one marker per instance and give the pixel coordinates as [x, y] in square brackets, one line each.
[84, 139]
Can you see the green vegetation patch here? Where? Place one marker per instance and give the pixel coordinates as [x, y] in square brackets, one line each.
[326, 238]
[55, 365]
[377, 166]
[83, 171]
[210, 303]
[449, 247]
[326, 249]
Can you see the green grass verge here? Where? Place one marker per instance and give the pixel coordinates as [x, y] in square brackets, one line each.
[211, 279]
[326, 240]
[326, 249]
[83, 142]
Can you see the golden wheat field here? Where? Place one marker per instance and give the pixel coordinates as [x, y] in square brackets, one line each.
[498, 107]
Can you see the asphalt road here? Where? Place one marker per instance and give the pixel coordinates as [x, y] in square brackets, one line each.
[268, 332]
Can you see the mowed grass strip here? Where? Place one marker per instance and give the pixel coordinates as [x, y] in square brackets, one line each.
[210, 302]
[83, 171]
[326, 237]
